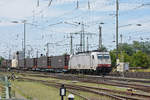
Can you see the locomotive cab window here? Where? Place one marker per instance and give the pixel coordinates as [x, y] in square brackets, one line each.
[106, 56]
[99, 56]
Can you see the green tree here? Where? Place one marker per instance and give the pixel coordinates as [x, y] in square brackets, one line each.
[113, 58]
[137, 54]
[128, 48]
[140, 59]
[137, 46]
[142, 46]
[124, 57]
[146, 47]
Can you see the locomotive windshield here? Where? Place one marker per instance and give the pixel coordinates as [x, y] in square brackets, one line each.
[100, 56]
[106, 56]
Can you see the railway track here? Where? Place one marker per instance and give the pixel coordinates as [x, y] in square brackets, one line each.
[143, 88]
[98, 80]
[85, 76]
[119, 95]
[93, 76]
[89, 79]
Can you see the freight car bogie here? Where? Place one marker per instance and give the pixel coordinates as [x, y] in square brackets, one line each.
[103, 70]
[81, 71]
[50, 70]
[99, 71]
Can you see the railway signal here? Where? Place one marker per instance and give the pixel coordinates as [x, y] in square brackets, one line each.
[62, 92]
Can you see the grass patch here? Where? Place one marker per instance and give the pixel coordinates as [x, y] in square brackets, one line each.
[141, 70]
[87, 84]
[37, 91]
[1, 85]
[80, 83]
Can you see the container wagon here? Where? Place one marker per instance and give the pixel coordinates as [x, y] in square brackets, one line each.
[31, 63]
[60, 63]
[43, 62]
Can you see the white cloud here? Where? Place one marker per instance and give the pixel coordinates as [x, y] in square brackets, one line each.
[17, 9]
[21, 9]
[128, 6]
[66, 29]
[60, 2]
[109, 5]
[99, 5]
[6, 24]
[132, 24]
[25, 9]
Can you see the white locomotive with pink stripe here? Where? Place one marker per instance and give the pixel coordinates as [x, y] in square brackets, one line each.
[99, 62]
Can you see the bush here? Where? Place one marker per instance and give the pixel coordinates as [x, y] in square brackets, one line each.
[140, 59]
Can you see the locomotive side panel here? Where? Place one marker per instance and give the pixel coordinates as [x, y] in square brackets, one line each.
[81, 61]
[98, 62]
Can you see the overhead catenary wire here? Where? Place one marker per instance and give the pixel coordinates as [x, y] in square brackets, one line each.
[88, 5]
[69, 12]
[65, 16]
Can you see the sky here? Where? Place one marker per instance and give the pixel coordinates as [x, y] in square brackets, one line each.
[52, 22]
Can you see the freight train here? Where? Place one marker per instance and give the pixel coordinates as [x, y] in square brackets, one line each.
[87, 62]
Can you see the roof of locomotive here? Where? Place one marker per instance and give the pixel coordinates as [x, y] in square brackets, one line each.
[91, 52]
